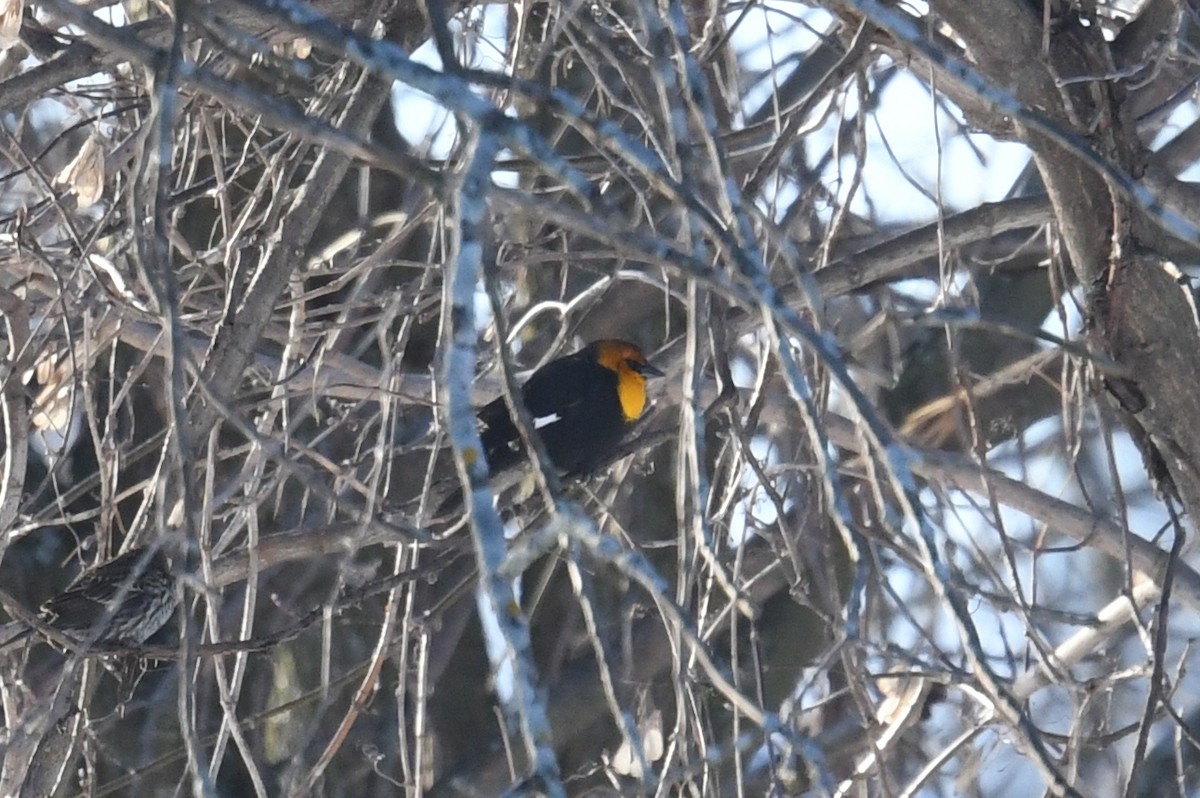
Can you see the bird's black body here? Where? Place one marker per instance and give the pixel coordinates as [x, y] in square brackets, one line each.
[582, 405]
[581, 395]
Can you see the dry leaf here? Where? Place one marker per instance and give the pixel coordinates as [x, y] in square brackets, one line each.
[11, 14]
[84, 175]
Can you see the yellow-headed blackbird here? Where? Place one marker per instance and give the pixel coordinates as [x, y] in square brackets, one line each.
[581, 405]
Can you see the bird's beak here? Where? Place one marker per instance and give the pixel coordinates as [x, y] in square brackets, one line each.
[647, 370]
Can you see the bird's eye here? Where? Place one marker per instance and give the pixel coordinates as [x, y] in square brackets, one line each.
[633, 364]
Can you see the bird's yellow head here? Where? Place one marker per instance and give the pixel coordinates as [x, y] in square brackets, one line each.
[632, 369]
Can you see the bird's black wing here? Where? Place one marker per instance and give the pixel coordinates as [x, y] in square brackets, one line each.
[576, 410]
[555, 393]
[560, 389]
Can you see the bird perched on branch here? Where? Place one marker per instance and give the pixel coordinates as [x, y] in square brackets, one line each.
[123, 601]
[581, 405]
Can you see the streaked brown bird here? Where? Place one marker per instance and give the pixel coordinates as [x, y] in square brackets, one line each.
[121, 602]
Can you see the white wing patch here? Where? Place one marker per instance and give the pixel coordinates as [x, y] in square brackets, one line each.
[545, 421]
